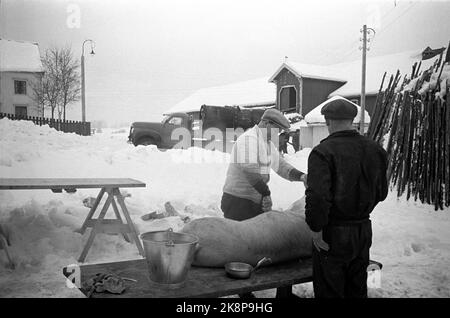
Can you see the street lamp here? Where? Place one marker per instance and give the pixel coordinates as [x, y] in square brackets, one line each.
[83, 101]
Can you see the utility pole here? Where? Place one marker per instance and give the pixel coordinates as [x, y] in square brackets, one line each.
[363, 80]
[365, 30]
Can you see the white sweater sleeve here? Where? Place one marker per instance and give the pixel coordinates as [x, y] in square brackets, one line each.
[279, 164]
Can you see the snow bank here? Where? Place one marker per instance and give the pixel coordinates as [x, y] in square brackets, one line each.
[411, 240]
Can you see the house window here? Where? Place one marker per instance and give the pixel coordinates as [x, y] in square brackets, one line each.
[21, 111]
[20, 87]
[288, 98]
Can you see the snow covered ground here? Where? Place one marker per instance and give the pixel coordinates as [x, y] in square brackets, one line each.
[411, 240]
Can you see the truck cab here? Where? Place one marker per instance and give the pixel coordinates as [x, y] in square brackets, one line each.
[159, 133]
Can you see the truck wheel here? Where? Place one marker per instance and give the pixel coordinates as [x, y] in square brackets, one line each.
[146, 141]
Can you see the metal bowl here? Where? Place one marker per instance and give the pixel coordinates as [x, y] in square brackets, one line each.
[243, 270]
[238, 270]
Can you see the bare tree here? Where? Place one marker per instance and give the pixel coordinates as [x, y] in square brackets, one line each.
[60, 84]
[70, 80]
[47, 91]
[38, 89]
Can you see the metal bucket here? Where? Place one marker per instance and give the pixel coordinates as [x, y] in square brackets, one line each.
[169, 256]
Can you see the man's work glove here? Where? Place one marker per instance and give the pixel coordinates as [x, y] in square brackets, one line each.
[318, 241]
[266, 203]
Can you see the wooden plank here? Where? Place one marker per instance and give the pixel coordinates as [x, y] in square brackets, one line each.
[201, 281]
[110, 226]
[92, 210]
[62, 183]
[134, 233]
[94, 230]
[4, 246]
[119, 218]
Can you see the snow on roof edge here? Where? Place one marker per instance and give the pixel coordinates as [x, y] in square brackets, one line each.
[249, 92]
[20, 56]
[20, 41]
[292, 69]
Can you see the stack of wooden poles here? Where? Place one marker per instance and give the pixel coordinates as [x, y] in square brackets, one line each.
[415, 131]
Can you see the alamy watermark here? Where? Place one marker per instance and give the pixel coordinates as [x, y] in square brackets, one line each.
[258, 147]
[73, 274]
[73, 20]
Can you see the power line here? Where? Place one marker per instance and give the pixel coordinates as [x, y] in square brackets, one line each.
[388, 14]
[352, 49]
[397, 18]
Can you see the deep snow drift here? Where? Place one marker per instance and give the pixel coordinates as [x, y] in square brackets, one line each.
[411, 240]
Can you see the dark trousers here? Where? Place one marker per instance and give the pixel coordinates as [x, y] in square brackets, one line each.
[239, 209]
[341, 272]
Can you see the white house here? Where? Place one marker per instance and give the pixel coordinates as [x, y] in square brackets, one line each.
[20, 68]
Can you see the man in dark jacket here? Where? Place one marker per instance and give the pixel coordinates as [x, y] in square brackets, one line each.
[346, 180]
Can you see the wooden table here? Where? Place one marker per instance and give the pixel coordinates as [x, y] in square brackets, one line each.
[200, 282]
[110, 186]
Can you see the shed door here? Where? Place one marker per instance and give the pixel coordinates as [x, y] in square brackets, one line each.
[288, 98]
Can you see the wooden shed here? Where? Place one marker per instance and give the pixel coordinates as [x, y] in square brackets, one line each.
[301, 87]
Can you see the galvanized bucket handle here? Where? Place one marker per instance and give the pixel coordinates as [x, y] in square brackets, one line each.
[170, 242]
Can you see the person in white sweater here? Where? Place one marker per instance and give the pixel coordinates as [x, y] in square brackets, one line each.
[246, 193]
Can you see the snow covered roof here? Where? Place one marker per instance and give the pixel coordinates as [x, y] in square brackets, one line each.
[350, 72]
[315, 117]
[375, 68]
[251, 92]
[19, 56]
[323, 72]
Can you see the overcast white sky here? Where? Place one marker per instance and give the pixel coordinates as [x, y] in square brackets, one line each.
[152, 54]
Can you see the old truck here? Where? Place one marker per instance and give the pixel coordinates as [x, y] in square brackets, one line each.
[160, 133]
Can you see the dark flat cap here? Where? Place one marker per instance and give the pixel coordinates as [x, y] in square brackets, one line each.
[339, 108]
[277, 118]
